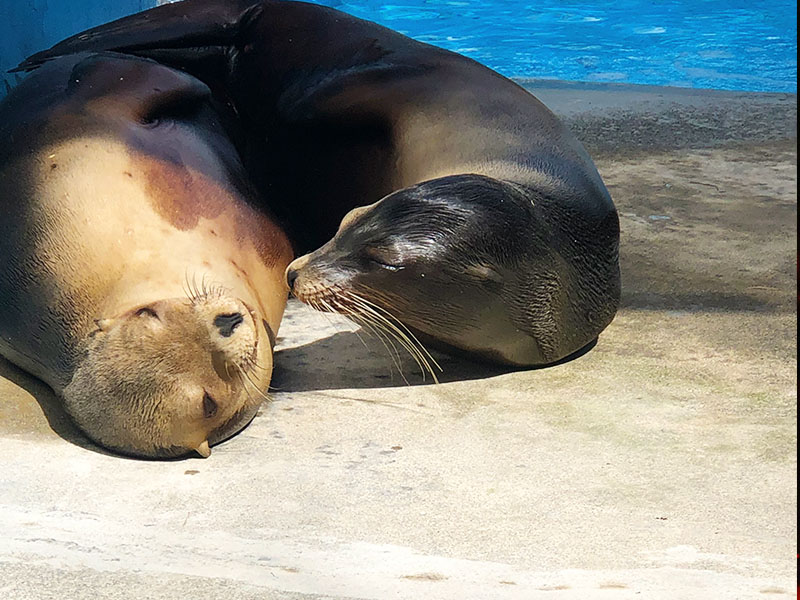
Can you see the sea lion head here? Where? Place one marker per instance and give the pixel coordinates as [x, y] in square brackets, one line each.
[171, 376]
[440, 257]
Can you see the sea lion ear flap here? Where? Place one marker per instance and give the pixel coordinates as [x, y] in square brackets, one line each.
[144, 87]
[179, 33]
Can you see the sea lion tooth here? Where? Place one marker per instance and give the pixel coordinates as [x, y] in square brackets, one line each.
[203, 449]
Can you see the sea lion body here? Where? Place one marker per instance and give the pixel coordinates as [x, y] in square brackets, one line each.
[136, 279]
[342, 113]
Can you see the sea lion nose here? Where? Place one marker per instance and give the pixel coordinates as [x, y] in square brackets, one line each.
[227, 322]
[291, 277]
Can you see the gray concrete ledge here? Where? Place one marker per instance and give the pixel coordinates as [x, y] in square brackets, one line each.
[612, 118]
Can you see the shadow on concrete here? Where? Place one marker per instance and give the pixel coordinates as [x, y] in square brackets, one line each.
[342, 361]
[708, 301]
[57, 418]
[703, 287]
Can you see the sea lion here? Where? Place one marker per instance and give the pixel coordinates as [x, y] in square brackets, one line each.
[492, 234]
[136, 279]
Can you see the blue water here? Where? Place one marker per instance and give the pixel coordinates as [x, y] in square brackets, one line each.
[722, 44]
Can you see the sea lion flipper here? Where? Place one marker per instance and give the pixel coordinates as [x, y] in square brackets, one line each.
[187, 32]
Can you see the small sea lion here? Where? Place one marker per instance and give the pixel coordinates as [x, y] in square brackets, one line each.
[135, 277]
[489, 230]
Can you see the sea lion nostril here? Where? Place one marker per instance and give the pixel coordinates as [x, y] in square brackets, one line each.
[209, 406]
[226, 323]
[291, 277]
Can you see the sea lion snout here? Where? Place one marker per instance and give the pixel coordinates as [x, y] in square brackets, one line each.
[294, 268]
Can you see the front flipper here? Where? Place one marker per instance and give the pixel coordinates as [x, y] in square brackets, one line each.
[183, 34]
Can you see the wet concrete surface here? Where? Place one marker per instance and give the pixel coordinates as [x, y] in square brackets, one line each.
[660, 464]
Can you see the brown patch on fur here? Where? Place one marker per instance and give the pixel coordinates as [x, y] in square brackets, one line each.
[182, 196]
[269, 240]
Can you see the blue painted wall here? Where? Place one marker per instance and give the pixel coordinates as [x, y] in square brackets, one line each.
[27, 26]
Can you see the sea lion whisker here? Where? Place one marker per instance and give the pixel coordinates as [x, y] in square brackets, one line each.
[397, 334]
[385, 326]
[412, 346]
[346, 302]
[420, 345]
[190, 289]
[244, 374]
[353, 317]
[195, 289]
[342, 308]
[244, 387]
[387, 336]
[203, 285]
[376, 330]
[335, 305]
[329, 308]
[315, 305]
[184, 286]
[384, 337]
[365, 320]
[252, 364]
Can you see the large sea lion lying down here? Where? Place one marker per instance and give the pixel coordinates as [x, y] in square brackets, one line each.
[135, 277]
[488, 230]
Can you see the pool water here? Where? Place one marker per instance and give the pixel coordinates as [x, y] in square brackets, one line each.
[722, 44]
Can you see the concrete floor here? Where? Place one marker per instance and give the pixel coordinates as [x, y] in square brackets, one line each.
[661, 464]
